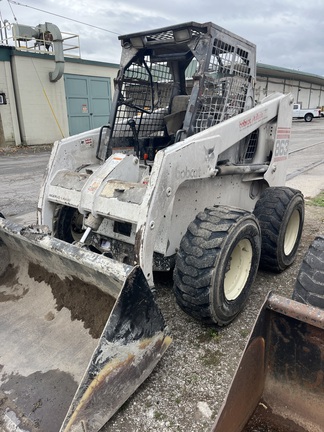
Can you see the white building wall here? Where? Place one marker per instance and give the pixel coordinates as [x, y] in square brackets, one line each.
[309, 95]
[41, 103]
[303, 95]
[315, 96]
[9, 125]
[293, 89]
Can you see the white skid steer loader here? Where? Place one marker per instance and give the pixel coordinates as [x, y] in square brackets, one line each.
[188, 174]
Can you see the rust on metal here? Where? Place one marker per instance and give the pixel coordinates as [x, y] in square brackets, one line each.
[299, 311]
[279, 384]
[116, 375]
[246, 390]
[114, 366]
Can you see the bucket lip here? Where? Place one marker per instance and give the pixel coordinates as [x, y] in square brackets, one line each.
[42, 235]
[35, 244]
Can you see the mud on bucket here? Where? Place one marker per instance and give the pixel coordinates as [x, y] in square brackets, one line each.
[79, 333]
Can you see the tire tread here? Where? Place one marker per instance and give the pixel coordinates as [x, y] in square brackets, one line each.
[199, 250]
[309, 286]
[270, 210]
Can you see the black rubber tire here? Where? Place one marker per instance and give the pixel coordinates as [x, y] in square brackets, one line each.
[309, 286]
[280, 212]
[217, 238]
[66, 224]
[308, 117]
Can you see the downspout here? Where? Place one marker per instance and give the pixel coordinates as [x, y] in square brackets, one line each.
[57, 47]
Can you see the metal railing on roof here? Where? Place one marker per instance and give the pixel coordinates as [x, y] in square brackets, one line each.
[43, 45]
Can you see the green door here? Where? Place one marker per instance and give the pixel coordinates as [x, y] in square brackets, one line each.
[88, 102]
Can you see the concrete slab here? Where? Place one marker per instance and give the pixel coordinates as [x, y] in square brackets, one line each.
[311, 183]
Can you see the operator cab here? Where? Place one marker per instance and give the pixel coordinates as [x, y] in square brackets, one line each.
[165, 89]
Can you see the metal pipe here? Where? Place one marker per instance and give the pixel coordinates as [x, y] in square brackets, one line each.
[241, 169]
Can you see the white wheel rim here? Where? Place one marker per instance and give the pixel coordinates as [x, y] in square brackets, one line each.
[291, 232]
[239, 269]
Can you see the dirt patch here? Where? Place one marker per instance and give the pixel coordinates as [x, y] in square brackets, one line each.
[264, 420]
[13, 150]
[9, 276]
[9, 279]
[85, 301]
[39, 401]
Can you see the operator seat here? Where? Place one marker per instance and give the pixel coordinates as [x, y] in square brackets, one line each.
[174, 120]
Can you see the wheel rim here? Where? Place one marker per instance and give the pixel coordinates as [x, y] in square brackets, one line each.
[292, 231]
[240, 263]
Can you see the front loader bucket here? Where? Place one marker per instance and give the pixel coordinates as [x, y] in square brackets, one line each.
[279, 384]
[79, 333]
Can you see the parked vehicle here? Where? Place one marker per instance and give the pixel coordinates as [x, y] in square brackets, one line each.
[307, 114]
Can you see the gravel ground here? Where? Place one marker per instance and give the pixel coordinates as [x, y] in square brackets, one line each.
[187, 388]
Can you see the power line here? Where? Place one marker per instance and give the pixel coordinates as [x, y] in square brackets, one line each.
[14, 16]
[60, 16]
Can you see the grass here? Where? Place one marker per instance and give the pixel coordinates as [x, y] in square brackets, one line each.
[318, 200]
[244, 333]
[193, 379]
[209, 335]
[212, 358]
[158, 415]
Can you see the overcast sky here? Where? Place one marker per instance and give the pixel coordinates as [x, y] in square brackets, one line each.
[287, 33]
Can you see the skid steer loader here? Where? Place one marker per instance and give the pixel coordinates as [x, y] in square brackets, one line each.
[188, 175]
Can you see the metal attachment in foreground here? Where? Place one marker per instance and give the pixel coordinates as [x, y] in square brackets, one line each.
[79, 332]
[279, 383]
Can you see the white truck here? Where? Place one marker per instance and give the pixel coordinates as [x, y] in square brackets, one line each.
[307, 114]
